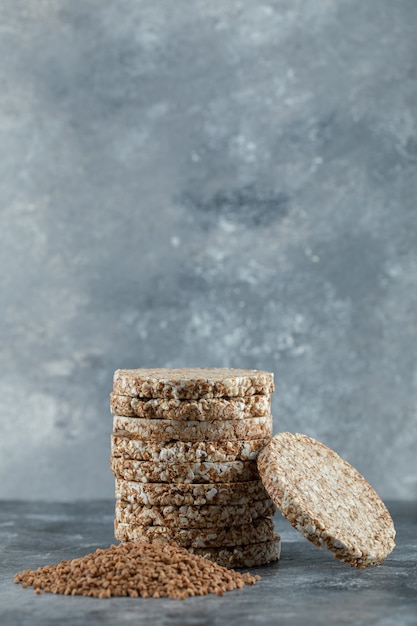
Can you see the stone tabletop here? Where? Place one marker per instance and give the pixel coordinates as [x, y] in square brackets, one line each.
[308, 586]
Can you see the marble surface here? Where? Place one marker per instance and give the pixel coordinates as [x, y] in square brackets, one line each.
[207, 183]
[308, 586]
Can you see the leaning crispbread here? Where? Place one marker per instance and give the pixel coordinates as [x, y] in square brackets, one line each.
[192, 494]
[197, 472]
[207, 516]
[218, 430]
[252, 555]
[326, 499]
[256, 532]
[128, 447]
[194, 383]
[203, 409]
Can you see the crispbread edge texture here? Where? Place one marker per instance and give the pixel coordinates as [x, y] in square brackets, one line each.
[192, 383]
[258, 531]
[218, 430]
[128, 447]
[193, 516]
[252, 555]
[203, 409]
[198, 472]
[326, 499]
[190, 494]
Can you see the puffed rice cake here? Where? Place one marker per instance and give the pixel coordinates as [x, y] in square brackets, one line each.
[326, 499]
[252, 555]
[128, 447]
[194, 383]
[257, 532]
[191, 494]
[197, 472]
[208, 516]
[203, 409]
[218, 430]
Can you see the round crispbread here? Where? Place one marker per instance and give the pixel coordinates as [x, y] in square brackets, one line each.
[192, 383]
[191, 494]
[208, 516]
[326, 499]
[252, 555]
[203, 409]
[258, 531]
[218, 430]
[171, 472]
[129, 447]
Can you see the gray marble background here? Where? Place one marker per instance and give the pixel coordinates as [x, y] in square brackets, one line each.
[207, 183]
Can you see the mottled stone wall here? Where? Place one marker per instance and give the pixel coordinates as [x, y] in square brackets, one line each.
[207, 184]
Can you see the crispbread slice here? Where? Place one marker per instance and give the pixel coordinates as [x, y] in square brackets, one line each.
[252, 555]
[204, 409]
[193, 494]
[218, 430]
[207, 516]
[170, 472]
[128, 447]
[194, 383]
[326, 499]
[256, 532]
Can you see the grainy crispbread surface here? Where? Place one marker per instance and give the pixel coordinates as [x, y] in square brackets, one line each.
[204, 409]
[207, 516]
[194, 383]
[218, 430]
[253, 555]
[129, 447]
[256, 532]
[192, 494]
[197, 472]
[326, 499]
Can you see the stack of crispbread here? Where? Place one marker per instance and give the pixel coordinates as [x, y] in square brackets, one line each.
[184, 448]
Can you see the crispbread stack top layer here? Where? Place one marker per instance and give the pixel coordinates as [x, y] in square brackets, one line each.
[194, 383]
[326, 499]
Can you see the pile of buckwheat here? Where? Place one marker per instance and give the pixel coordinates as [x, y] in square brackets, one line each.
[156, 570]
